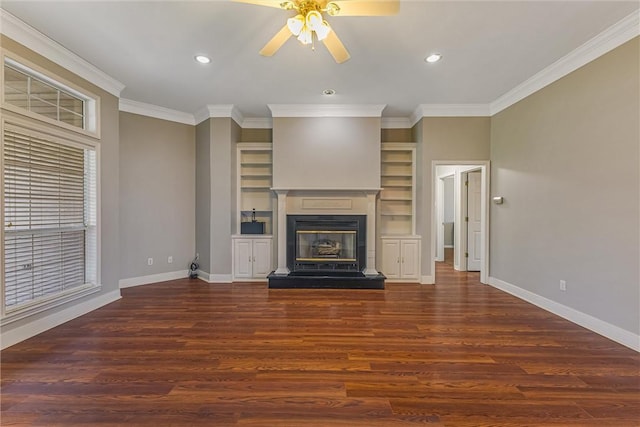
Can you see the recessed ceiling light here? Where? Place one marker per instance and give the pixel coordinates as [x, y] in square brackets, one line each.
[434, 57]
[203, 59]
[328, 92]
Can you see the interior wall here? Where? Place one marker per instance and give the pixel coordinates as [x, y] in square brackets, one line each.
[444, 138]
[157, 195]
[222, 148]
[109, 184]
[326, 152]
[565, 159]
[203, 195]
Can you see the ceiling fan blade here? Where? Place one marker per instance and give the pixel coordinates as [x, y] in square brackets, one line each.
[276, 42]
[367, 7]
[268, 3]
[336, 48]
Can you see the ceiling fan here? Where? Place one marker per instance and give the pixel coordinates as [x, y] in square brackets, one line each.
[309, 24]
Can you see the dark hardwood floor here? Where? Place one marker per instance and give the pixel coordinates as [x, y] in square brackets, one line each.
[185, 353]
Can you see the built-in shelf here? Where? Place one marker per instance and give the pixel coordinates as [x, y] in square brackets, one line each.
[396, 204]
[254, 174]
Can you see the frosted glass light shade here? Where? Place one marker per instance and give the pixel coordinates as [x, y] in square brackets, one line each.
[305, 36]
[295, 24]
[322, 31]
[314, 20]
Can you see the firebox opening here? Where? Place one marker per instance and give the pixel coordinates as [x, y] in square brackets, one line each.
[326, 244]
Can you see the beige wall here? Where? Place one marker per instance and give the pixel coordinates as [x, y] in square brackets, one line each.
[215, 188]
[326, 153]
[450, 139]
[203, 195]
[566, 159]
[109, 181]
[157, 195]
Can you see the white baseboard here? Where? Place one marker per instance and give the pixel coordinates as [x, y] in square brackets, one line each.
[214, 278]
[615, 333]
[152, 278]
[427, 280]
[35, 327]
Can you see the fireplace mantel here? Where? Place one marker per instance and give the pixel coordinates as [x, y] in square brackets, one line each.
[309, 201]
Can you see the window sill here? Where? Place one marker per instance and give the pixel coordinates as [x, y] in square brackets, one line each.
[48, 303]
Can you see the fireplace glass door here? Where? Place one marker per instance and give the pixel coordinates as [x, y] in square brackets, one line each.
[326, 249]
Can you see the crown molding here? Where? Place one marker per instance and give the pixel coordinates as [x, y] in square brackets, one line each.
[155, 111]
[217, 111]
[614, 36]
[257, 123]
[31, 38]
[449, 110]
[396, 123]
[326, 110]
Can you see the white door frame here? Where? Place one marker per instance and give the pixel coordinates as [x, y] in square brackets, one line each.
[484, 167]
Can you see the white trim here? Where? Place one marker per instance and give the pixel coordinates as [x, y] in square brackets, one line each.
[218, 111]
[485, 167]
[427, 280]
[28, 36]
[155, 111]
[396, 123]
[21, 333]
[257, 123]
[214, 278]
[448, 110]
[609, 39]
[152, 278]
[327, 190]
[326, 110]
[615, 333]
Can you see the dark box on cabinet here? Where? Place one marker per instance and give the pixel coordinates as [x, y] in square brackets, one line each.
[252, 227]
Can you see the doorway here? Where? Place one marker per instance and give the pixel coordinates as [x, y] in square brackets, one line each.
[460, 215]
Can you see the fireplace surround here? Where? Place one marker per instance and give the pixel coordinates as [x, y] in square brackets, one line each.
[326, 251]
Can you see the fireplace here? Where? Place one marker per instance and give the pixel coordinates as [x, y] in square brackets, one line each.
[326, 251]
[326, 244]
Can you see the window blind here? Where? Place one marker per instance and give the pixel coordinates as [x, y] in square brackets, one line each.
[47, 214]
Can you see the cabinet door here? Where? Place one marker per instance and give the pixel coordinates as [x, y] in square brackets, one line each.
[261, 257]
[242, 258]
[391, 258]
[409, 259]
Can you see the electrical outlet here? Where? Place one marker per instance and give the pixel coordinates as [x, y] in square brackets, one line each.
[170, 259]
[563, 285]
[149, 261]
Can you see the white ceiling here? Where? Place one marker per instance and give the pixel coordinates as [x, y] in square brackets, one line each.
[488, 49]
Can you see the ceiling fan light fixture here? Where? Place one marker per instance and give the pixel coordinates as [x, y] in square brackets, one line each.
[305, 36]
[314, 19]
[296, 24]
[323, 30]
[332, 8]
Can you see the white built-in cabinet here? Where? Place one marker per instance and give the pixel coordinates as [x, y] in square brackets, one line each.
[399, 245]
[252, 256]
[401, 258]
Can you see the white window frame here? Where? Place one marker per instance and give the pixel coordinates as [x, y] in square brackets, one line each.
[28, 309]
[91, 101]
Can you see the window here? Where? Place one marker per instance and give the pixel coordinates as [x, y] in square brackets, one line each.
[29, 90]
[50, 218]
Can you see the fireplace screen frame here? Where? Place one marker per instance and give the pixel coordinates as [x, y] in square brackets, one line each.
[324, 225]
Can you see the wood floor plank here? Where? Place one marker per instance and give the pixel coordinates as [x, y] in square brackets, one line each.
[188, 353]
